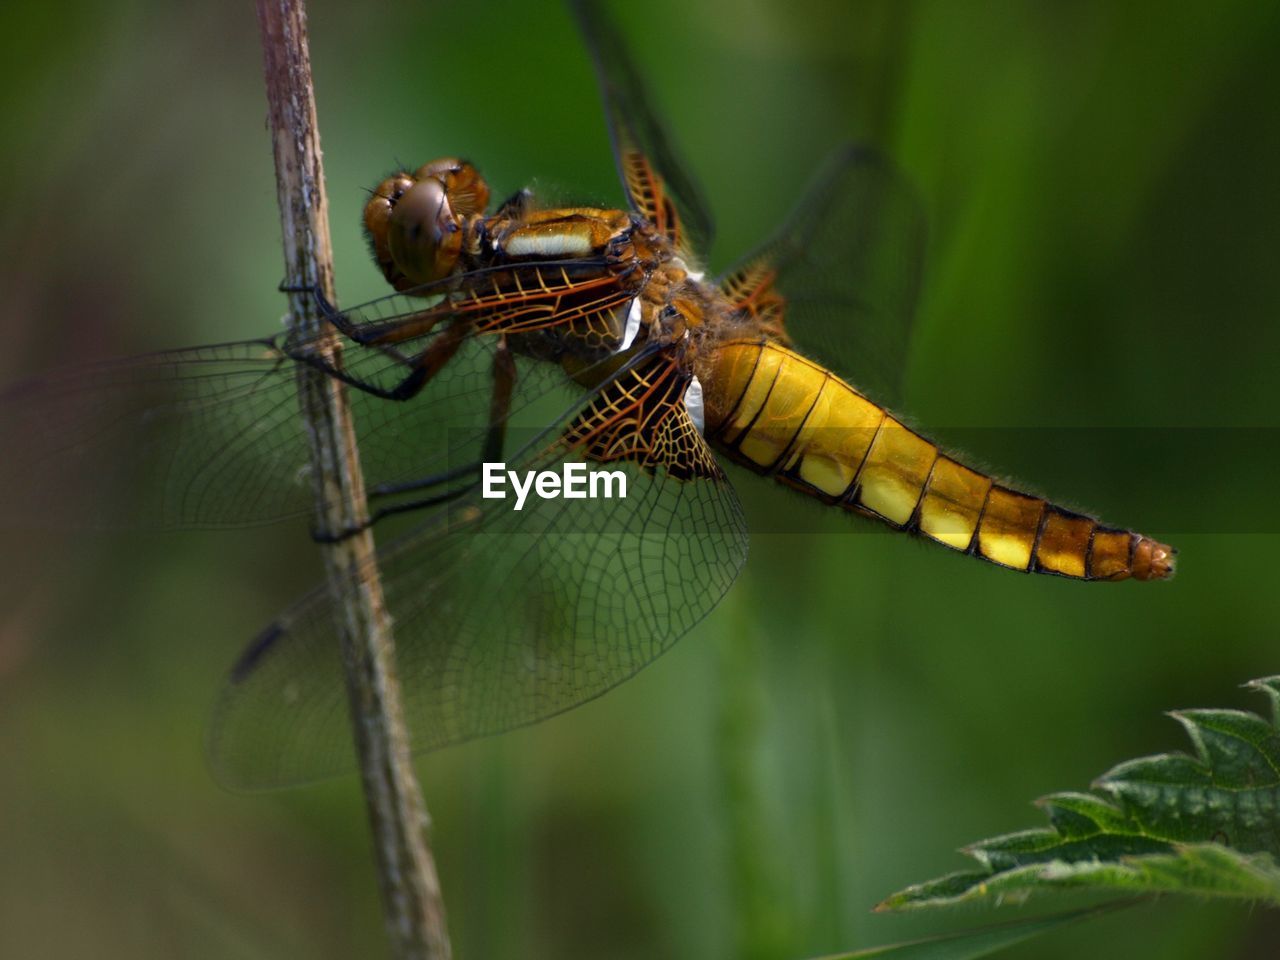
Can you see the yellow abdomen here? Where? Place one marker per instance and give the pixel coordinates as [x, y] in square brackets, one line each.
[779, 413]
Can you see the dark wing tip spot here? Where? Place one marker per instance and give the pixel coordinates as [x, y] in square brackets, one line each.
[256, 650]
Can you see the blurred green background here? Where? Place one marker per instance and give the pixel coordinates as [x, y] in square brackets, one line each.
[1101, 185]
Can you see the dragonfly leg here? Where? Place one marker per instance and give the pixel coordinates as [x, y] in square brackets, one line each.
[337, 318]
[284, 286]
[325, 366]
[332, 315]
[325, 536]
[424, 483]
[431, 361]
[504, 384]
[421, 368]
[504, 381]
[377, 334]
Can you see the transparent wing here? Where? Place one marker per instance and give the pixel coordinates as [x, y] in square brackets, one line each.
[211, 436]
[198, 437]
[848, 263]
[657, 183]
[504, 617]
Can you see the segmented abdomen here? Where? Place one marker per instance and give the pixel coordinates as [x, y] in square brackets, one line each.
[779, 413]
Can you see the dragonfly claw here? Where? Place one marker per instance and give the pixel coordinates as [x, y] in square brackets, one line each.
[326, 536]
[326, 308]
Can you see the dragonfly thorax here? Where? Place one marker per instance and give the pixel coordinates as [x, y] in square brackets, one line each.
[429, 225]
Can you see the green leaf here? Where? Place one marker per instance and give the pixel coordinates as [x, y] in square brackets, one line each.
[972, 943]
[1205, 824]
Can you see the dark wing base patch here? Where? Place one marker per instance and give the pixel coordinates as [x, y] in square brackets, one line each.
[640, 416]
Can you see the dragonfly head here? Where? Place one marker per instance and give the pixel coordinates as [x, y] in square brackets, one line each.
[415, 222]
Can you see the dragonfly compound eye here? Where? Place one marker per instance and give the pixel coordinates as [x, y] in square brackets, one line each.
[424, 236]
[377, 217]
[467, 191]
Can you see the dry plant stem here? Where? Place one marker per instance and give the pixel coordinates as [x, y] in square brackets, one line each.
[406, 870]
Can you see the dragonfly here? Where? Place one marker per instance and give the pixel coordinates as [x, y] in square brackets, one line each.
[548, 339]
